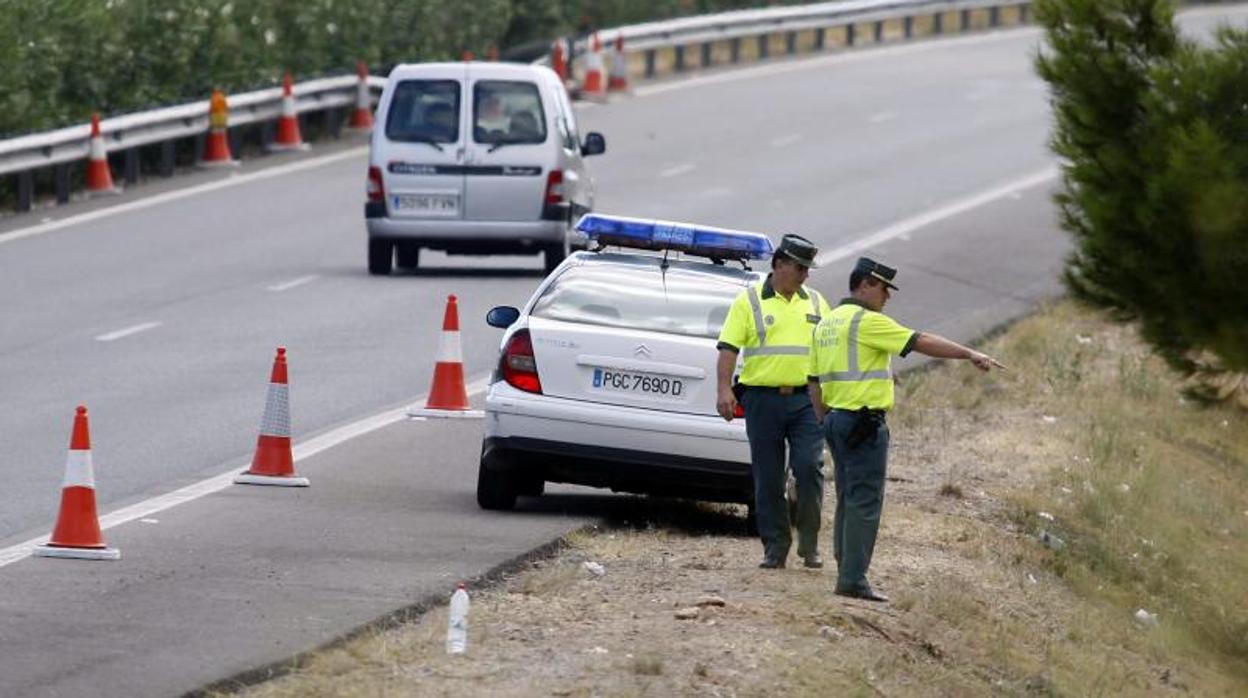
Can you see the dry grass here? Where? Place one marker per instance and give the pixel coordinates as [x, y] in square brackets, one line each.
[981, 466]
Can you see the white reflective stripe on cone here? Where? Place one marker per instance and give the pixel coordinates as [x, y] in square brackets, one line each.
[98, 152]
[78, 470]
[288, 106]
[276, 420]
[449, 351]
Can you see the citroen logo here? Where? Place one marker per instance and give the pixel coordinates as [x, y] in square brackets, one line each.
[642, 350]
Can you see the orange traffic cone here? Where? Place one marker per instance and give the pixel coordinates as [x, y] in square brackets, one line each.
[288, 137]
[362, 117]
[447, 396]
[77, 531]
[594, 87]
[559, 59]
[217, 147]
[618, 81]
[491, 53]
[273, 463]
[99, 176]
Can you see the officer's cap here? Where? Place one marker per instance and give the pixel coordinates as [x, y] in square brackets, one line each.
[873, 268]
[798, 249]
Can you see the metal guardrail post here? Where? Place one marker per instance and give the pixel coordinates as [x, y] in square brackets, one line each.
[908, 23]
[131, 167]
[25, 191]
[708, 56]
[938, 23]
[650, 53]
[60, 175]
[879, 31]
[763, 45]
[680, 59]
[167, 159]
[821, 36]
[1023, 14]
[790, 43]
[994, 16]
[735, 49]
[849, 34]
[966, 20]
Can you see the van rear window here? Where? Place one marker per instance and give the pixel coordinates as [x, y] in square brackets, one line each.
[507, 111]
[424, 111]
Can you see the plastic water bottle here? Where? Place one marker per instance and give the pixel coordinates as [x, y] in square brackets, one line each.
[457, 622]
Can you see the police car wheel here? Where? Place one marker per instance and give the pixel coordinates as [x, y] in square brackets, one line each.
[408, 255]
[380, 256]
[496, 490]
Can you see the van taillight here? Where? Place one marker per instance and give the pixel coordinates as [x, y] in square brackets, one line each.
[554, 187]
[519, 365]
[376, 192]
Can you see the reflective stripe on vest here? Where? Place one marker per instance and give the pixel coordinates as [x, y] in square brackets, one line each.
[853, 374]
[784, 350]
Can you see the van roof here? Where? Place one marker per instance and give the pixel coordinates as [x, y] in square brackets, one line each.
[475, 69]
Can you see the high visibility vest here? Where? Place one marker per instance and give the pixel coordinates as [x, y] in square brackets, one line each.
[773, 333]
[851, 357]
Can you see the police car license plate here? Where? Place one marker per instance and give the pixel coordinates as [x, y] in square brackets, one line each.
[430, 204]
[615, 381]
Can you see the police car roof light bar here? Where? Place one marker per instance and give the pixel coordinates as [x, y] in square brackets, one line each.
[691, 238]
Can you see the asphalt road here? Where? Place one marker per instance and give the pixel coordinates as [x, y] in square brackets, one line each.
[163, 318]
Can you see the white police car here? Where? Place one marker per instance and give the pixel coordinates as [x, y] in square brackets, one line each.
[607, 376]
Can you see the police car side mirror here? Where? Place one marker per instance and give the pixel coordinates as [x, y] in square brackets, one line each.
[502, 316]
[594, 144]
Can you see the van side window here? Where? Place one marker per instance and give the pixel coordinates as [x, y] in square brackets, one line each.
[569, 120]
[506, 111]
[424, 110]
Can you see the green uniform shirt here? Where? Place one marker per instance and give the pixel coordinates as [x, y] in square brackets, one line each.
[773, 333]
[852, 355]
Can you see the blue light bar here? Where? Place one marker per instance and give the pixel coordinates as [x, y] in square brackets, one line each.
[701, 240]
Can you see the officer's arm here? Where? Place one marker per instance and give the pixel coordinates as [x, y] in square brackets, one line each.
[726, 402]
[938, 347]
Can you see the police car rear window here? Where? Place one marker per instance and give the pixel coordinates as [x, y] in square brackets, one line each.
[641, 298]
[424, 111]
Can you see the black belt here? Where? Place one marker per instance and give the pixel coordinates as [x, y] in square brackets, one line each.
[781, 389]
[874, 413]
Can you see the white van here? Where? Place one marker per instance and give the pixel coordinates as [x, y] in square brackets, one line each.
[475, 158]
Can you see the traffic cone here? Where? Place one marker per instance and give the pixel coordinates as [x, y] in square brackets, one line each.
[217, 147]
[273, 463]
[362, 117]
[559, 59]
[594, 87]
[77, 531]
[447, 396]
[491, 53]
[288, 137]
[618, 81]
[99, 176]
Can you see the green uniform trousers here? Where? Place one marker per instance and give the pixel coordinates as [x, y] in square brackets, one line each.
[859, 477]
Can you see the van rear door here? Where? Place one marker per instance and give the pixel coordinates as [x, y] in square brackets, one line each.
[422, 159]
[510, 157]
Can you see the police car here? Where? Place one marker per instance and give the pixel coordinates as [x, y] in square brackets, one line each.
[607, 375]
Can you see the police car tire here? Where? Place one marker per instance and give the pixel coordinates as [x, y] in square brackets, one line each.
[408, 254]
[380, 256]
[496, 490]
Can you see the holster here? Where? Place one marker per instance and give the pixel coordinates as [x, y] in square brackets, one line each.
[738, 391]
[866, 426]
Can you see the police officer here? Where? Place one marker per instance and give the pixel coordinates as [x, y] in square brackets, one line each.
[850, 361]
[771, 324]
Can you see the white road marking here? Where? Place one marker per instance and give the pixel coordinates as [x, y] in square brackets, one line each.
[909, 225]
[203, 488]
[293, 283]
[782, 141]
[126, 332]
[882, 117]
[156, 200]
[677, 170]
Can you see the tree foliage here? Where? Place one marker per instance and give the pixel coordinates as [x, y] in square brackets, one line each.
[1152, 129]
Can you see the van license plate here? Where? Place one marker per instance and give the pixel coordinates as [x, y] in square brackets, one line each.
[432, 204]
[611, 380]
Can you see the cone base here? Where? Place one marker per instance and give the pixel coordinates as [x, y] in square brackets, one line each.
[110, 191]
[415, 412]
[272, 480]
[76, 553]
[219, 163]
[285, 147]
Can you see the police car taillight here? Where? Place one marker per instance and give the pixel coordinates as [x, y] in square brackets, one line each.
[519, 365]
[554, 187]
[376, 192]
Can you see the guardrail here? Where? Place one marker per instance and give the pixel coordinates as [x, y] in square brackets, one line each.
[674, 46]
[128, 133]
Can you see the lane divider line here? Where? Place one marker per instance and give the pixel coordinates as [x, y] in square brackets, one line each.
[203, 488]
[126, 332]
[677, 170]
[158, 199]
[293, 283]
[883, 117]
[909, 225]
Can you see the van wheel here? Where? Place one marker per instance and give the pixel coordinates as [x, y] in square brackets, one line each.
[555, 254]
[380, 256]
[408, 254]
[496, 489]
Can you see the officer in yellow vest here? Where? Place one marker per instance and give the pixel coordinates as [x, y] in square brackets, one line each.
[850, 361]
[771, 324]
